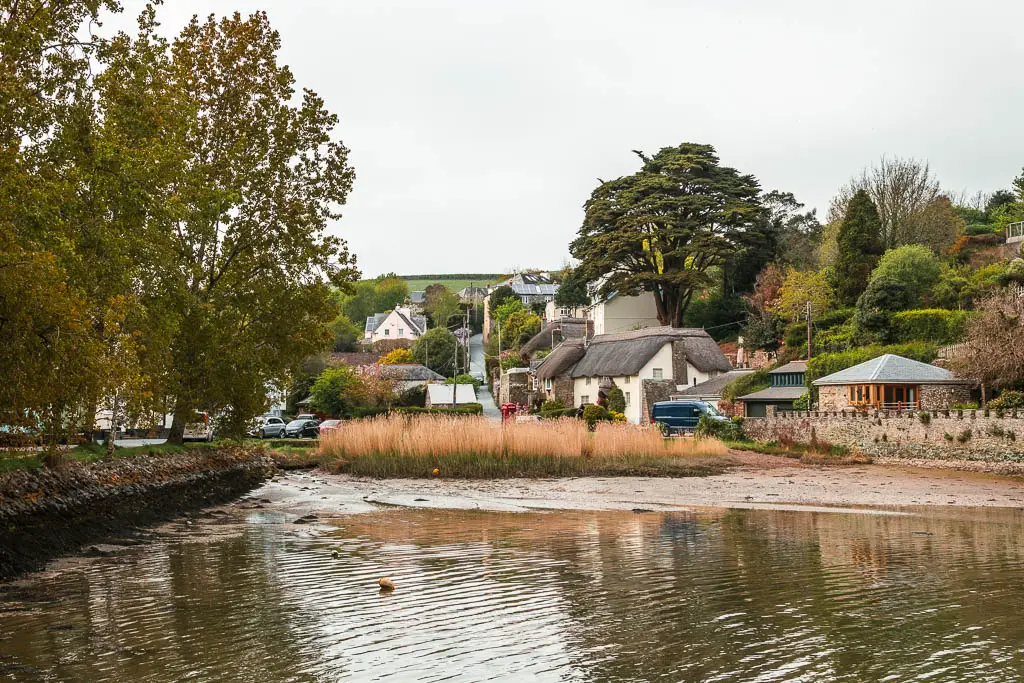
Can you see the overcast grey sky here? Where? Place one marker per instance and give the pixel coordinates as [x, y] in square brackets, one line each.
[478, 128]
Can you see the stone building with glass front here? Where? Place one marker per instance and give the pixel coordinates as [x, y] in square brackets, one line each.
[891, 382]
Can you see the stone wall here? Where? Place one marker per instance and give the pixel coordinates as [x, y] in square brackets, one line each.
[939, 435]
[653, 391]
[561, 390]
[679, 373]
[515, 387]
[933, 396]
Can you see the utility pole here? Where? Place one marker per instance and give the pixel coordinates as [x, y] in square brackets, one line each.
[810, 348]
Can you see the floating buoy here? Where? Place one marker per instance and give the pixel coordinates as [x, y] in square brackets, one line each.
[386, 584]
[334, 554]
[436, 472]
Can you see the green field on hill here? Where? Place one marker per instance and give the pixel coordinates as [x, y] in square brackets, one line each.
[454, 283]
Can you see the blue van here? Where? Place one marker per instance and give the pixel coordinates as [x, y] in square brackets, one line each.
[683, 416]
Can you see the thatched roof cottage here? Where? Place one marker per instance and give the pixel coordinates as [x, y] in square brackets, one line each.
[648, 365]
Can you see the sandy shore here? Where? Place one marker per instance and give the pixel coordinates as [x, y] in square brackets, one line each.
[759, 482]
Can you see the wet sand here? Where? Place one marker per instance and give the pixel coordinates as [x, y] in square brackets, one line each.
[764, 482]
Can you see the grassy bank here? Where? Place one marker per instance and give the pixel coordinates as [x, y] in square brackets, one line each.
[810, 454]
[427, 445]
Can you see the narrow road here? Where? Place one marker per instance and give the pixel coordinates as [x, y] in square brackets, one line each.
[478, 368]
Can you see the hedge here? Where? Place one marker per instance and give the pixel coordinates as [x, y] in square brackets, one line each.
[746, 384]
[828, 363]
[464, 409]
[931, 324]
[796, 334]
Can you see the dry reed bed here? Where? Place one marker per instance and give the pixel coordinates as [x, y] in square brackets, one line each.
[413, 446]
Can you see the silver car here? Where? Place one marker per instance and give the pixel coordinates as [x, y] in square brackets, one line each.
[270, 428]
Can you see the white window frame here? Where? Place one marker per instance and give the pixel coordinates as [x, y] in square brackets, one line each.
[401, 331]
[584, 399]
[626, 395]
[657, 373]
[547, 384]
[625, 380]
[587, 381]
[387, 332]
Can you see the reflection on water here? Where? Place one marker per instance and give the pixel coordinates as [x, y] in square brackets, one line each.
[727, 596]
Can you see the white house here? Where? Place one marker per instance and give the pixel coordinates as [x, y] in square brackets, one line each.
[618, 313]
[647, 365]
[440, 395]
[397, 324]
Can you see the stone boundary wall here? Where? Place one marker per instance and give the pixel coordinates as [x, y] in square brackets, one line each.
[936, 435]
[47, 512]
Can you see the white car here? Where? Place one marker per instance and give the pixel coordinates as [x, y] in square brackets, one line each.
[200, 429]
[269, 427]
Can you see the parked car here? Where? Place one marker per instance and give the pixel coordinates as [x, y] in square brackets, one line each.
[200, 428]
[268, 427]
[302, 429]
[329, 426]
[683, 416]
[305, 416]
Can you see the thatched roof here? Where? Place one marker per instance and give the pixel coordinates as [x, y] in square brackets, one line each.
[625, 353]
[410, 372]
[559, 330]
[561, 359]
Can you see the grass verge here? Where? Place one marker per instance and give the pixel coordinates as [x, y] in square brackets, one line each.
[811, 454]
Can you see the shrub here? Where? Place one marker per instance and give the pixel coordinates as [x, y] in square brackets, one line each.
[836, 339]
[980, 229]
[965, 406]
[616, 400]
[836, 317]
[726, 430]
[593, 414]
[802, 403]
[551, 408]
[925, 417]
[616, 416]
[397, 357]
[465, 378]
[1007, 400]
[930, 324]
[464, 409]
[746, 384]
[964, 436]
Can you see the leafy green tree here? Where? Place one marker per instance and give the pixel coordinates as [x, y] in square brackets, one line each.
[616, 400]
[346, 333]
[797, 289]
[443, 308]
[389, 291]
[884, 296]
[915, 265]
[358, 301]
[572, 291]
[498, 297]
[264, 178]
[440, 351]
[336, 391]
[858, 248]
[510, 306]
[661, 229]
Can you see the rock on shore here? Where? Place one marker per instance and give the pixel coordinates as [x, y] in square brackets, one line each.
[49, 512]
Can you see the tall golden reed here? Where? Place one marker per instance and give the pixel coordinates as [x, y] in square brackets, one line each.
[441, 435]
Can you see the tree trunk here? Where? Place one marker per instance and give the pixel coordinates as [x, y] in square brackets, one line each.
[984, 396]
[89, 419]
[177, 433]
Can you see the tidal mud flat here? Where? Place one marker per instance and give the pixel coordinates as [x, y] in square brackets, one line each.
[50, 512]
[758, 482]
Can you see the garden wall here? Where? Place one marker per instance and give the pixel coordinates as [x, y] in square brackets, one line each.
[933, 435]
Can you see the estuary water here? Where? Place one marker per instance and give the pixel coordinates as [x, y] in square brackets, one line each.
[717, 595]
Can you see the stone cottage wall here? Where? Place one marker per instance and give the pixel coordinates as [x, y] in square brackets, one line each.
[933, 396]
[942, 435]
[653, 391]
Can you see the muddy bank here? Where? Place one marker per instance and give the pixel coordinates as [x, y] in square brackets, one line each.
[45, 513]
[759, 481]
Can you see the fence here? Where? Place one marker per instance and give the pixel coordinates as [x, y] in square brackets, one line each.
[1015, 232]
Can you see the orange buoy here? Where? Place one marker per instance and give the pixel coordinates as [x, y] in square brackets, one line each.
[386, 584]
[436, 472]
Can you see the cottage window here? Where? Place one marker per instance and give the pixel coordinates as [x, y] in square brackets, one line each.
[625, 380]
[547, 384]
[401, 331]
[626, 395]
[587, 382]
[387, 332]
[694, 381]
[584, 399]
[657, 373]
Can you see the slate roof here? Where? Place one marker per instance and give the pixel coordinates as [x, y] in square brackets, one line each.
[355, 358]
[442, 394]
[374, 321]
[625, 353]
[890, 369]
[410, 372]
[534, 290]
[775, 394]
[791, 367]
[713, 386]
